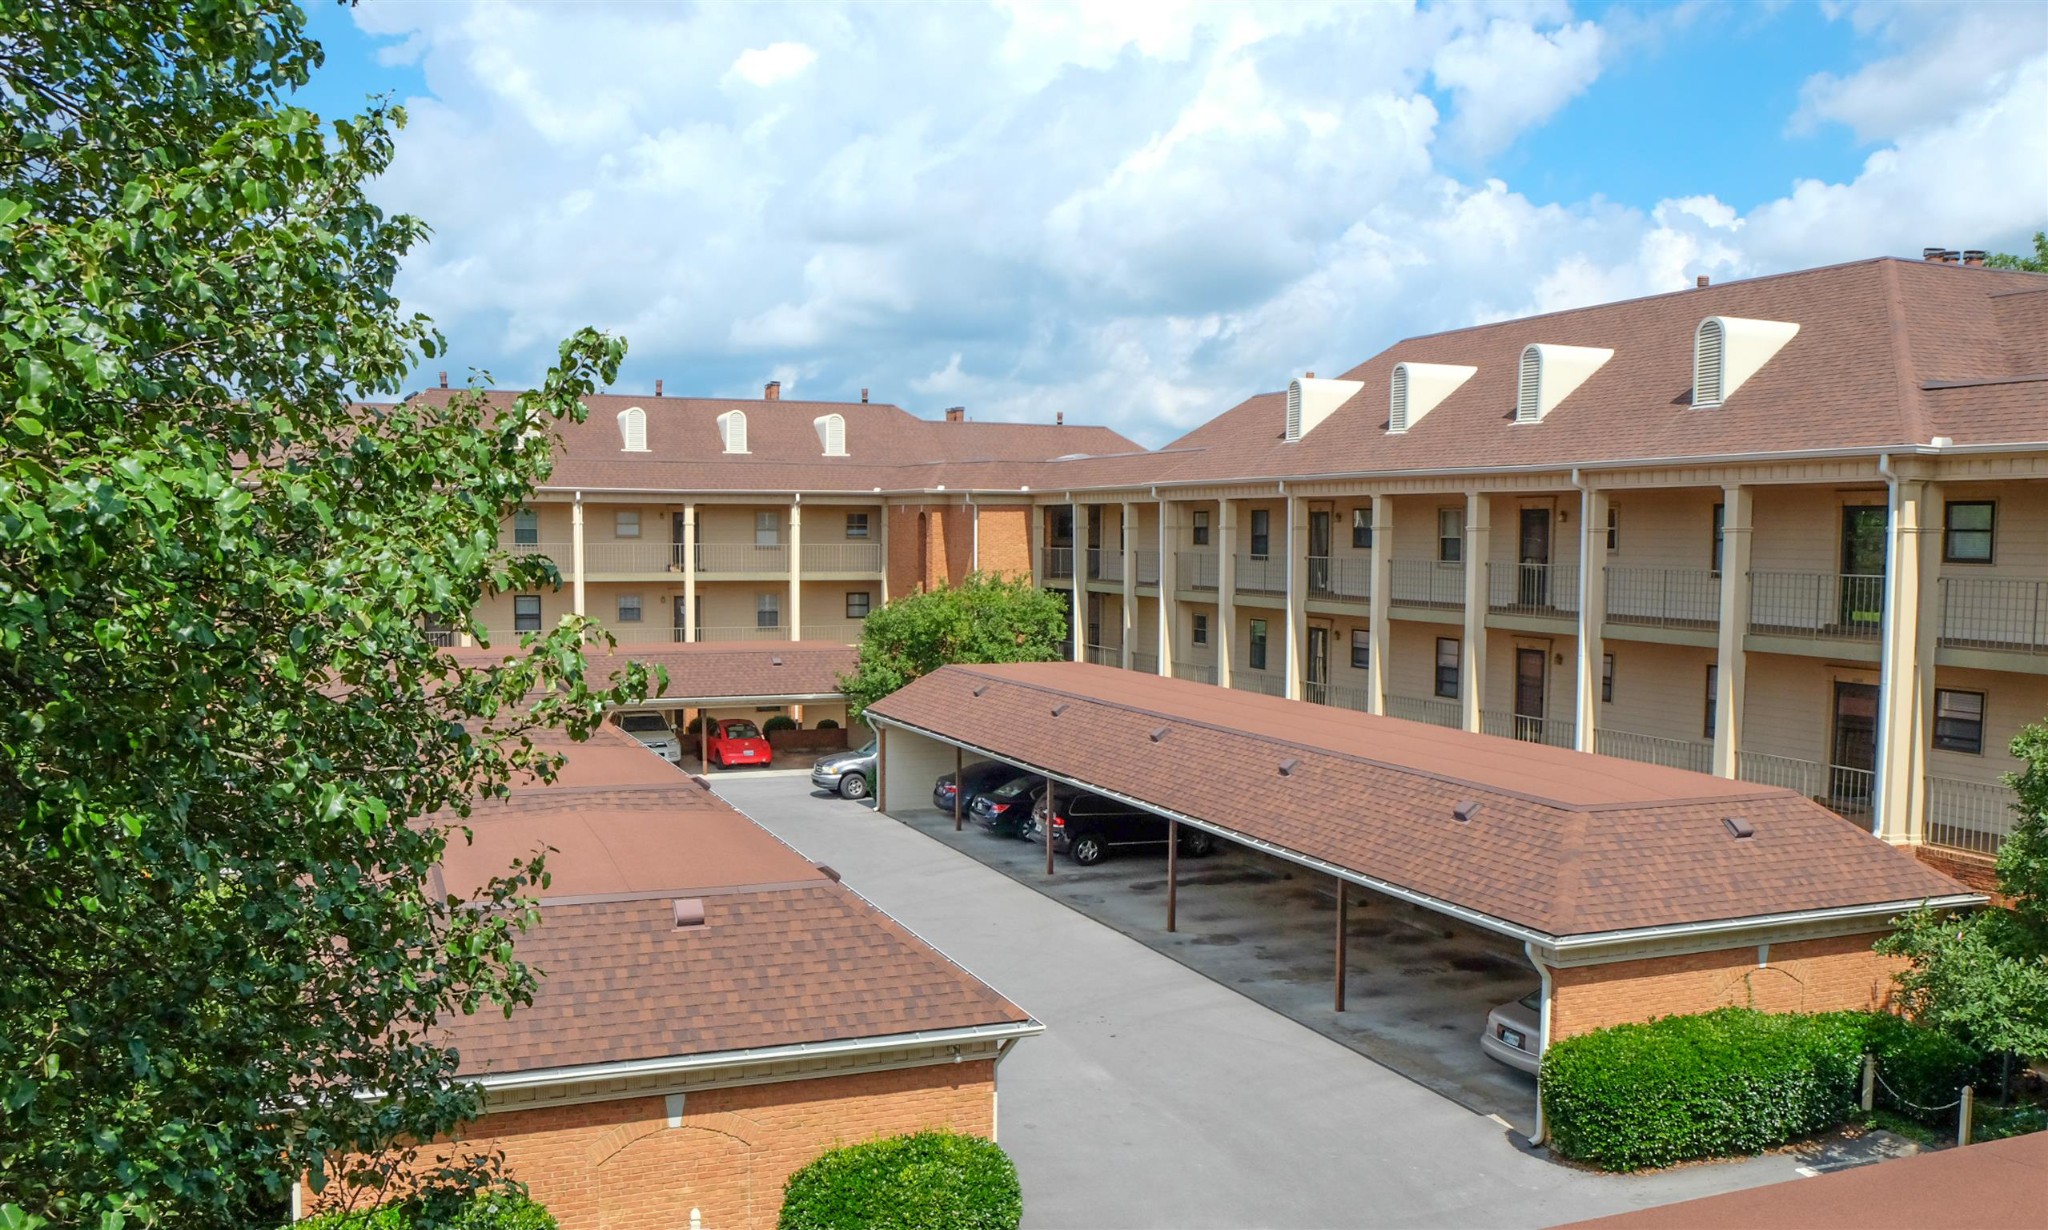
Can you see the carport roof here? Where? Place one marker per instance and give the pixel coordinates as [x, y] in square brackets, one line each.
[1561, 843]
[713, 671]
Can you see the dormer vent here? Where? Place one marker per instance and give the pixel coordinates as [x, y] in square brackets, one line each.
[1310, 401]
[1728, 350]
[831, 433]
[633, 429]
[1418, 388]
[687, 911]
[732, 428]
[1551, 373]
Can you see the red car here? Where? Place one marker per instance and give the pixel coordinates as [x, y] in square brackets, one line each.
[736, 741]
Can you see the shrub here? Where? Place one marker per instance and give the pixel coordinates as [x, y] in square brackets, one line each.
[929, 1181]
[1724, 1082]
[781, 721]
[695, 726]
[1919, 1067]
[827, 724]
[488, 1210]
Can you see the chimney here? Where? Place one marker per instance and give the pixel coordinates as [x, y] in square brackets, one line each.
[1932, 254]
[657, 387]
[1308, 375]
[863, 397]
[772, 391]
[1700, 282]
[1975, 256]
[1951, 257]
[1059, 418]
[956, 414]
[444, 380]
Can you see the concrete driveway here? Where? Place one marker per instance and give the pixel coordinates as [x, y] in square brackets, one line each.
[1158, 1097]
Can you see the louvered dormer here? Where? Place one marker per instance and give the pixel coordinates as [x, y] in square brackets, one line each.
[633, 430]
[831, 433]
[1728, 350]
[1415, 389]
[732, 429]
[1550, 373]
[1310, 401]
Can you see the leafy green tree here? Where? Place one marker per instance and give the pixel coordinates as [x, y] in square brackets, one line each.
[983, 619]
[1984, 978]
[2037, 263]
[230, 751]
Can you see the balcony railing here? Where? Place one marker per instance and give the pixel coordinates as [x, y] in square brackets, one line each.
[742, 632]
[637, 558]
[1261, 574]
[1342, 578]
[1197, 672]
[1434, 710]
[741, 557]
[1427, 582]
[1144, 663]
[1848, 606]
[842, 557]
[1554, 732]
[1148, 567]
[1105, 564]
[1843, 790]
[1989, 613]
[1973, 816]
[1105, 655]
[1664, 597]
[1337, 696]
[1265, 683]
[1655, 749]
[841, 634]
[1533, 589]
[1059, 561]
[1198, 569]
[560, 552]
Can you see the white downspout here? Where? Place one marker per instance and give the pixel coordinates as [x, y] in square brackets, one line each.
[1887, 666]
[1542, 1132]
[974, 535]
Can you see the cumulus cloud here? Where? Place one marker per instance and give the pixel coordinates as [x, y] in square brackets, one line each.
[1134, 214]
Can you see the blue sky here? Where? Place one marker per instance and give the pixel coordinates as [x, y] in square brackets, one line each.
[1142, 214]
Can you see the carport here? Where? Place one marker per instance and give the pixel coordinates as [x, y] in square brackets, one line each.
[1632, 889]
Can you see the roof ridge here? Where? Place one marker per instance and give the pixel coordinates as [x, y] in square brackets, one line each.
[1910, 414]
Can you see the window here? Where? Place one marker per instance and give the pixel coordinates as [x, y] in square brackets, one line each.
[767, 529]
[1361, 527]
[1201, 529]
[1607, 678]
[526, 612]
[1713, 693]
[526, 528]
[768, 610]
[1959, 721]
[1200, 635]
[626, 523]
[1720, 520]
[629, 608]
[856, 525]
[1450, 534]
[1968, 537]
[1361, 649]
[1257, 658]
[857, 604]
[1262, 532]
[1447, 667]
[1613, 528]
[1063, 526]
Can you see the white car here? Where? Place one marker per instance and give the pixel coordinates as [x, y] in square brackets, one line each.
[654, 733]
[1514, 1031]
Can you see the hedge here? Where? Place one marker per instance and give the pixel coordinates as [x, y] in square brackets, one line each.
[1732, 1081]
[491, 1210]
[781, 721]
[929, 1181]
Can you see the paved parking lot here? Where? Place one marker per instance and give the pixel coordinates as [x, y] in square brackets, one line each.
[1161, 1097]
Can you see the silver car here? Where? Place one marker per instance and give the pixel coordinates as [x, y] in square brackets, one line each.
[654, 734]
[845, 773]
[1514, 1031]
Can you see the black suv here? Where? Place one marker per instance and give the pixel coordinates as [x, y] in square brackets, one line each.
[1087, 827]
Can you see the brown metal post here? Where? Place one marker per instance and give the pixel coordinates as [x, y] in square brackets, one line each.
[1048, 826]
[957, 757]
[1342, 894]
[1172, 869]
[703, 742]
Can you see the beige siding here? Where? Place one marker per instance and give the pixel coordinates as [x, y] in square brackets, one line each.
[1659, 691]
[1799, 529]
[1790, 709]
[2010, 702]
[1664, 529]
[1412, 673]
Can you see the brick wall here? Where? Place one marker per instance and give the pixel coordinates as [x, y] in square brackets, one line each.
[1006, 539]
[949, 547]
[1804, 976]
[619, 1166]
[1979, 871]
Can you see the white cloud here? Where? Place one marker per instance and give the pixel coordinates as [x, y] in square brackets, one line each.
[1952, 56]
[1134, 214]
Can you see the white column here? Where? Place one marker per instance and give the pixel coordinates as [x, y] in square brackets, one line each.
[1077, 556]
[1380, 624]
[576, 555]
[1297, 593]
[690, 572]
[1906, 699]
[1226, 589]
[796, 570]
[883, 530]
[1169, 585]
[1592, 614]
[1478, 546]
[1127, 533]
[1731, 661]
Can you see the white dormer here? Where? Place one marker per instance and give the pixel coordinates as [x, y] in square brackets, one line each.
[1551, 373]
[831, 433]
[1310, 401]
[633, 429]
[732, 428]
[1728, 350]
[1418, 388]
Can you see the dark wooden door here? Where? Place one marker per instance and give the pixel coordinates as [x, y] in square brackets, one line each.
[1529, 681]
[1533, 581]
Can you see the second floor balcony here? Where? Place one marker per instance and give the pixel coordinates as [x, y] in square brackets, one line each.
[1994, 613]
[1664, 597]
[1533, 589]
[1427, 582]
[1821, 605]
[1198, 569]
[1343, 578]
[1261, 574]
[1057, 563]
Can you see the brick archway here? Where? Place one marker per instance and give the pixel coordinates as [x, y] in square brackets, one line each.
[653, 1180]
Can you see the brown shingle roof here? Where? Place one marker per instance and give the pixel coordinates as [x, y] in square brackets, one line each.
[715, 670]
[1563, 844]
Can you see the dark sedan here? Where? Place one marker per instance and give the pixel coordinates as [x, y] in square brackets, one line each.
[980, 777]
[1007, 807]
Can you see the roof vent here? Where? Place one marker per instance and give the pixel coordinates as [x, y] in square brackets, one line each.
[1418, 388]
[1158, 733]
[775, 661]
[831, 433]
[1739, 827]
[689, 911]
[1465, 811]
[1552, 373]
[983, 688]
[1059, 708]
[827, 872]
[1728, 350]
[732, 429]
[633, 429]
[1288, 766]
[1310, 401]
